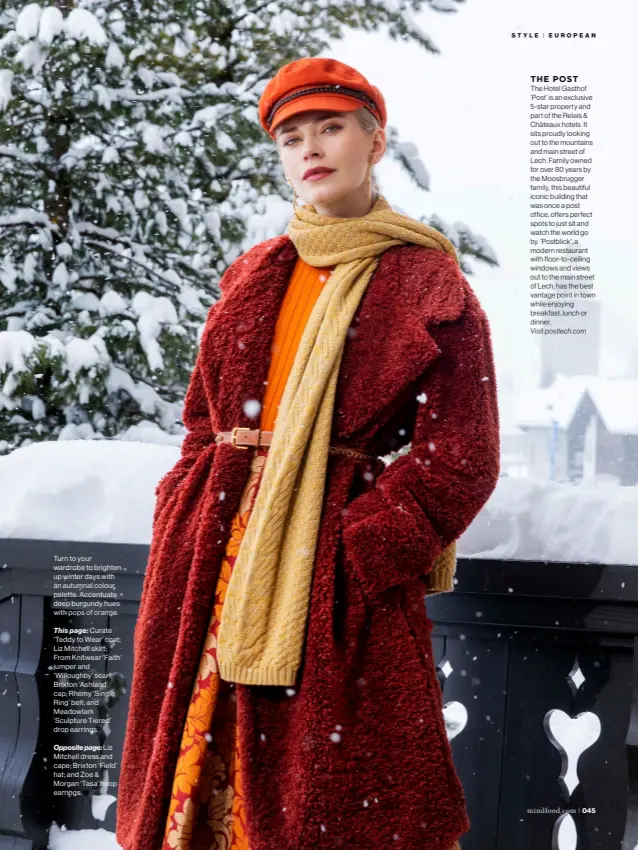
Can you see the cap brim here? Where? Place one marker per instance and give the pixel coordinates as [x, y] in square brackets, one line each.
[333, 102]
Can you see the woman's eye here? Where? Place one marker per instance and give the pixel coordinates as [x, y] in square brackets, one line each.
[329, 127]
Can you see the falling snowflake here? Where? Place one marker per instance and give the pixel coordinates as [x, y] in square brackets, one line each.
[252, 408]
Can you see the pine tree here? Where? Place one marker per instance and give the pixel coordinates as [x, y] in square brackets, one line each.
[133, 169]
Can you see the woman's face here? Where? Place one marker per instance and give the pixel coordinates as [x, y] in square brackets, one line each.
[332, 140]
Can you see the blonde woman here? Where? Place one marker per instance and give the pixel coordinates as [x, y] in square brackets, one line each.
[284, 694]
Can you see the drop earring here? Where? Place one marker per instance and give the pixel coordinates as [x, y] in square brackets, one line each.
[372, 200]
[294, 195]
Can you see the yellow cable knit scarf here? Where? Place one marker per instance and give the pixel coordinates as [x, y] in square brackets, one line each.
[262, 631]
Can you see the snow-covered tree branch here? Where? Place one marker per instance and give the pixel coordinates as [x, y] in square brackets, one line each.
[133, 170]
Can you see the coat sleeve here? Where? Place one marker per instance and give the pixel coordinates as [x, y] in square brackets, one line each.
[195, 413]
[424, 500]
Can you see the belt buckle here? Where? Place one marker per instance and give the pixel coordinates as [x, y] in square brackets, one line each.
[234, 437]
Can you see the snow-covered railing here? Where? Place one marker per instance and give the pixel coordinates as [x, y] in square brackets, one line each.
[103, 490]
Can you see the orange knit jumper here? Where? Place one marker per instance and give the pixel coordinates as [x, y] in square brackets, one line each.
[206, 807]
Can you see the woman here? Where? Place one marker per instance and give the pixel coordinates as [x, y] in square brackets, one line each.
[284, 694]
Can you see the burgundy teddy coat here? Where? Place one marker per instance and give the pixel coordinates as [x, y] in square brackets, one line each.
[357, 756]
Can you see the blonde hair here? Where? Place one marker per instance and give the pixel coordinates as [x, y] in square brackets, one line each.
[368, 123]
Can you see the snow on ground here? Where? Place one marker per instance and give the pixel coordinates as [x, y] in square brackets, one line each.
[82, 490]
[104, 490]
[80, 839]
[534, 520]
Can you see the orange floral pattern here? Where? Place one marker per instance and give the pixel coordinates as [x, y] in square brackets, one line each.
[206, 808]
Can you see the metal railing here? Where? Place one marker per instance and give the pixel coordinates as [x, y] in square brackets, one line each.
[537, 664]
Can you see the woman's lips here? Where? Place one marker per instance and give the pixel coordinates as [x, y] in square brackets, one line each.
[319, 175]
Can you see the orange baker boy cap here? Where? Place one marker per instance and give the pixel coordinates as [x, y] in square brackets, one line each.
[317, 84]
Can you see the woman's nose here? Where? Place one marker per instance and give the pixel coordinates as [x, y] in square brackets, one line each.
[311, 150]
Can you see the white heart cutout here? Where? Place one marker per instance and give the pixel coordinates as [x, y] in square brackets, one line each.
[571, 736]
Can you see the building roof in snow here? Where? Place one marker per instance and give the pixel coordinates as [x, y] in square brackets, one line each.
[538, 407]
[616, 400]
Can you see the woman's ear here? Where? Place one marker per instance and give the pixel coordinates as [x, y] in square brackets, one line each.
[379, 145]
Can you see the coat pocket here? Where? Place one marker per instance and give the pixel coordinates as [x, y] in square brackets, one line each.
[350, 607]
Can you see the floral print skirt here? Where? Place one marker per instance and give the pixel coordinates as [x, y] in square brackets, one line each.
[206, 810]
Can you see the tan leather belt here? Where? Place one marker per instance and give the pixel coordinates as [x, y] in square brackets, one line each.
[243, 438]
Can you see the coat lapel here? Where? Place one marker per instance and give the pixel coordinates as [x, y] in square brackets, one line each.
[389, 343]
[237, 340]
[388, 346]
